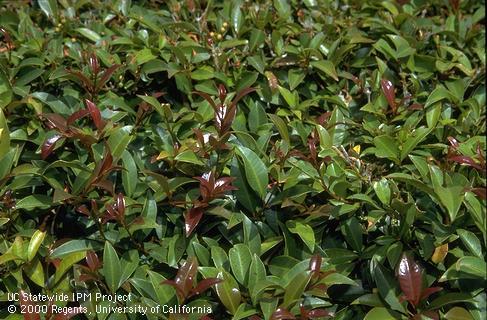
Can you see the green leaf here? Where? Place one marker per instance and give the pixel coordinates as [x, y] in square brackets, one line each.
[295, 76]
[257, 38]
[288, 96]
[119, 140]
[370, 299]
[35, 272]
[189, 156]
[433, 115]
[257, 63]
[251, 235]
[382, 190]
[72, 246]
[440, 93]
[295, 289]
[338, 278]
[112, 269]
[67, 262]
[382, 314]
[245, 196]
[203, 73]
[414, 138]
[353, 233]
[164, 294]
[237, 18]
[35, 201]
[449, 298]
[327, 67]
[246, 80]
[6, 93]
[451, 198]
[283, 8]
[7, 162]
[89, 34]
[129, 263]
[129, 174]
[281, 126]
[304, 231]
[50, 8]
[474, 266]
[243, 312]
[255, 170]
[458, 313]
[228, 291]
[35, 243]
[257, 273]
[219, 257]
[387, 287]
[386, 147]
[240, 260]
[471, 241]
[4, 135]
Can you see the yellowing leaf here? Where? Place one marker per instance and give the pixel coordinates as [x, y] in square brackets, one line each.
[356, 149]
[440, 253]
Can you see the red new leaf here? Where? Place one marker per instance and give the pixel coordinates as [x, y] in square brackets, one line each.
[455, 4]
[93, 63]
[25, 303]
[83, 210]
[388, 90]
[207, 98]
[429, 291]
[453, 142]
[222, 93]
[466, 161]
[204, 285]
[106, 76]
[48, 146]
[315, 263]
[226, 115]
[68, 314]
[95, 114]
[428, 314]
[179, 290]
[77, 115]
[121, 204]
[480, 192]
[93, 261]
[410, 278]
[85, 81]
[105, 185]
[282, 314]
[55, 121]
[319, 313]
[107, 162]
[416, 106]
[242, 93]
[191, 219]
[184, 278]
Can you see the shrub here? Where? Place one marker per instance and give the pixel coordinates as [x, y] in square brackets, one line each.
[257, 159]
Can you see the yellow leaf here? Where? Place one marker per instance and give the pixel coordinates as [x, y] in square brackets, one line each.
[440, 253]
[357, 149]
[162, 155]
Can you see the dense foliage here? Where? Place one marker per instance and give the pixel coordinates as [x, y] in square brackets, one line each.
[268, 159]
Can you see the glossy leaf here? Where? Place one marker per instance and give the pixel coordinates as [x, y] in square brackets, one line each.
[240, 260]
[34, 243]
[228, 291]
[111, 267]
[410, 276]
[255, 170]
